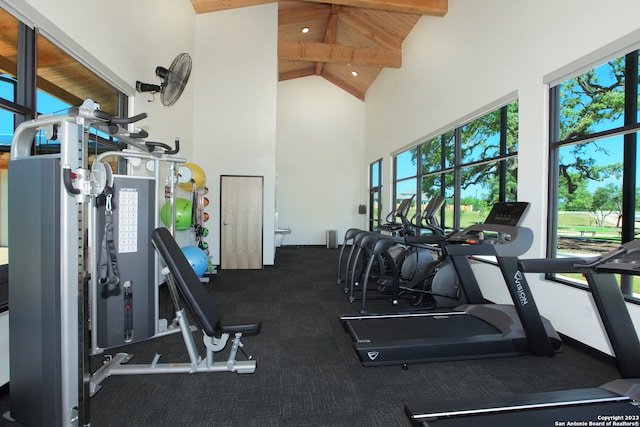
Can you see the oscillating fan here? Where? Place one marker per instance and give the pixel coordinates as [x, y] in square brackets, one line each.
[174, 79]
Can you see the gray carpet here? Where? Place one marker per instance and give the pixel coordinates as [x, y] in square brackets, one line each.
[308, 373]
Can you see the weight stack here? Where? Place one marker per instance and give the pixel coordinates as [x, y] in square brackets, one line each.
[127, 311]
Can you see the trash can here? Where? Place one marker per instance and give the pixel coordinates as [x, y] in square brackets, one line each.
[332, 239]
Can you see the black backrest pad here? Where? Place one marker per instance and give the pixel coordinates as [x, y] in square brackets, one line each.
[199, 301]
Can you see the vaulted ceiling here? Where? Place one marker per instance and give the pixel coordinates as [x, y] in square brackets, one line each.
[347, 42]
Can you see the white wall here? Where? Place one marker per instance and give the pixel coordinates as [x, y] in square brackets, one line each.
[321, 178]
[459, 66]
[234, 121]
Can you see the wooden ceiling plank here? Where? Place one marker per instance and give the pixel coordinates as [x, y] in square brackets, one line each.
[290, 75]
[421, 7]
[344, 86]
[325, 52]
[206, 6]
[384, 38]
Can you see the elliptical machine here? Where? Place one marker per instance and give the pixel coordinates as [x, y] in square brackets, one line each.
[397, 220]
[425, 275]
[403, 268]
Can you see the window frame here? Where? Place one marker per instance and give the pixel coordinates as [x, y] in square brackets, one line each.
[456, 168]
[628, 131]
[375, 213]
[23, 106]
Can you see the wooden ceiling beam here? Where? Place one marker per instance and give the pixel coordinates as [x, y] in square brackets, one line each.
[290, 75]
[8, 65]
[420, 7]
[330, 33]
[336, 54]
[300, 14]
[58, 92]
[206, 6]
[43, 84]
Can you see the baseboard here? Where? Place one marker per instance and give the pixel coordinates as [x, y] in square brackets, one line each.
[584, 348]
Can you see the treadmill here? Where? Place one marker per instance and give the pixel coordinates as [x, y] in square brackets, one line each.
[614, 403]
[470, 331]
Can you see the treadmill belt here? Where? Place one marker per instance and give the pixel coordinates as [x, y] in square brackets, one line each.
[623, 413]
[418, 327]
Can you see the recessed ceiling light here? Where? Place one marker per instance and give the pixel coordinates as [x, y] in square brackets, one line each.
[305, 30]
[354, 73]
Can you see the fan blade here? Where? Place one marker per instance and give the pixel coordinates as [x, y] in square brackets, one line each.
[176, 79]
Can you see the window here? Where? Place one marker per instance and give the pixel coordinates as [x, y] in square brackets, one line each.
[593, 162]
[472, 166]
[38, 77]
[63, 78]
[375, 194]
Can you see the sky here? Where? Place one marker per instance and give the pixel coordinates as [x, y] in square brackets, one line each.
[46, 105]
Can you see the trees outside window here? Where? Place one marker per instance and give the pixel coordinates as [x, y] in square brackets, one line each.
[593, 162]
[473, 166]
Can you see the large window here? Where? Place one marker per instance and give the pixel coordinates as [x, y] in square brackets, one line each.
[593, 160]
[472, 166]
[38, 77]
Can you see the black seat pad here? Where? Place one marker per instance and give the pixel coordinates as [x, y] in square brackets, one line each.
[240, 323]
[198, 299]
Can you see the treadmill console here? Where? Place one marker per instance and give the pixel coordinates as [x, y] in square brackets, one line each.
[501, 226]
[508, 213]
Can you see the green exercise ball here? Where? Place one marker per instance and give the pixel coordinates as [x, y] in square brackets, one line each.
[183, 214]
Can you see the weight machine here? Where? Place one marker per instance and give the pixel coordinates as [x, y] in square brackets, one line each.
[62, 290]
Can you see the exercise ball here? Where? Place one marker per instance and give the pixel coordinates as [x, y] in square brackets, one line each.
[197, 258]
[183, 214]
[190, 173]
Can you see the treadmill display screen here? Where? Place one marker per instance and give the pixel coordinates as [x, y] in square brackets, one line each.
[507, 213]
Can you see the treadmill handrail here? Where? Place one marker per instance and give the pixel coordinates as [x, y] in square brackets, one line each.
[600, 274]
[617, 260]
[554, 265]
